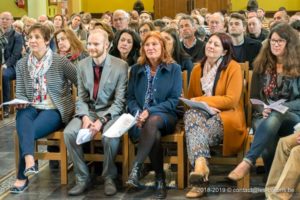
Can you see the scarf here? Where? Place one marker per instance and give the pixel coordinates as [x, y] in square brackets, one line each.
[150, 86]
[209, 75]
[271, 84]
[38, 69]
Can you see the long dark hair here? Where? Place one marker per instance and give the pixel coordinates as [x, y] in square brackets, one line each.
[227, 45]
[179, 55]
[291, 62]
[134, 52]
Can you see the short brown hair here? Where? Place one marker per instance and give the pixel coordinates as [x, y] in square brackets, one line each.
[45, 31]
[165, 54]
[238, 16]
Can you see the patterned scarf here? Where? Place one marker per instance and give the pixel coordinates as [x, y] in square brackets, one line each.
[209, 75]
[271, 84]
[150, 86]
[38, 69]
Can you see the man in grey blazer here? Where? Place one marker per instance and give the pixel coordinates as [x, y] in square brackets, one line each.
[102, 84]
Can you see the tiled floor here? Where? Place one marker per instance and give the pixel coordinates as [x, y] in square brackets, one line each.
[46, 185]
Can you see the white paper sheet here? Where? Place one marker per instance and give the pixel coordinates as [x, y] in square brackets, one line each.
[15, 102]
[121, 126]
[84, 135]
[198, 104]
[273, 106]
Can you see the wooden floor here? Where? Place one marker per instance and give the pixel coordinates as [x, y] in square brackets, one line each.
[46, 184]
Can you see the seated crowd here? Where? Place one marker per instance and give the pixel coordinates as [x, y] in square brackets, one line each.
[128, 62]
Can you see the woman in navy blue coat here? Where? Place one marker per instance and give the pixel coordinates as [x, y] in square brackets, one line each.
[154, 88]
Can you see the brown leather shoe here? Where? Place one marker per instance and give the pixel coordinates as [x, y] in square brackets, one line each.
[240, 171]
[195, 192]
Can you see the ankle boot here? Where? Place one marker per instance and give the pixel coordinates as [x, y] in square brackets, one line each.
[135, 174]
[161, 188]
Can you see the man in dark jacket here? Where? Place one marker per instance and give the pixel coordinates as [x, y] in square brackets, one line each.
[245, 48]
[192, 45]
[12, 53]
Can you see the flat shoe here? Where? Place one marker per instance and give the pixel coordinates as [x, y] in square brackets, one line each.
[195, 192]
[31, 171]
[18, 190]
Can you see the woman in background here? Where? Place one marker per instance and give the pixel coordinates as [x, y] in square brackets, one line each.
[175, 47]
[126, 46]
[69, 45]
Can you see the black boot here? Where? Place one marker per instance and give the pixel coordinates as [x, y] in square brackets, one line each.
[136, 172]
[161, 188]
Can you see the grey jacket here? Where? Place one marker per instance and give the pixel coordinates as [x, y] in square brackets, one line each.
[58, 75]
[112, 88]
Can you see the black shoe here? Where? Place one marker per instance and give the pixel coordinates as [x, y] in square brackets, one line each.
[161, 188]
[18, 190]
[135, 174]
[79, 188]
[31, 171]
[109, 187]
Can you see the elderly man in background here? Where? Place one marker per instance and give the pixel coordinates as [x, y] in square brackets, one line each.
[11, 54]
[120, 20]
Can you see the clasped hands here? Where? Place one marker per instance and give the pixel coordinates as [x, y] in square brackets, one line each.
[141, 119]
[94, 127]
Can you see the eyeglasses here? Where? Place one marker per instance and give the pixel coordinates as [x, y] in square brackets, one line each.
[278, 42]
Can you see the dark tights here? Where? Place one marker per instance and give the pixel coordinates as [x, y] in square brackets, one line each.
[149, 144]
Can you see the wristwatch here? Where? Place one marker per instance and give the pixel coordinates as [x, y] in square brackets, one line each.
[102, 120]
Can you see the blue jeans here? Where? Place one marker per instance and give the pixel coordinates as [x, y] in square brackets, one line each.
[267, 134]
[8, 74]
[33, 124]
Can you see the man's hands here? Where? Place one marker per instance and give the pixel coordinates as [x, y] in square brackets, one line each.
[94, 127]
[142, 118]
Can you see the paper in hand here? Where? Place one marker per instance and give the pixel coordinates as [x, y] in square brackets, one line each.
[274, 106]
[198, 104]
[84, 135]
[121, 126]
[15, 102]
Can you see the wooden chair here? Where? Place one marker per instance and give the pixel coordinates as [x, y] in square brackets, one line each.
[235, 160]
[122, 157]
[54, 139]
[1, 95]
[250, 136]
[176, 138]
